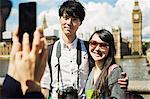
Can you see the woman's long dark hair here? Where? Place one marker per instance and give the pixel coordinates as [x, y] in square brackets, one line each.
[106, 36]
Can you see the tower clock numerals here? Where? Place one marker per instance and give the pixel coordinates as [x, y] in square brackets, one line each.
[136, 16]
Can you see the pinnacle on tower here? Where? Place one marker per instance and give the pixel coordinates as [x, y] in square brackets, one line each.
[44, 25]
[136, 5]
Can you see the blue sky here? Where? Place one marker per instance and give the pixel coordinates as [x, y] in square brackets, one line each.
[99, 13]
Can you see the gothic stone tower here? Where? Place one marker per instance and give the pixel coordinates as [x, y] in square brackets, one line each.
[44, 24]
[137, 28]
[116, 31]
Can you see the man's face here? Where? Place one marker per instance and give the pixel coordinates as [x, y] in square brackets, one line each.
[69, 24]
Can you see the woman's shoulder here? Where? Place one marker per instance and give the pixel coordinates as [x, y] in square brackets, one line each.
[115, 73]
[114, 68]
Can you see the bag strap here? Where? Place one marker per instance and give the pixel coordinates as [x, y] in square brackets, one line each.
[79, 60]
[111, 68]
[58, 55]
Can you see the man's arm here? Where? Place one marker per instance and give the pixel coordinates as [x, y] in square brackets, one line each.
[45, 92]
[45, 82]
[123, 81]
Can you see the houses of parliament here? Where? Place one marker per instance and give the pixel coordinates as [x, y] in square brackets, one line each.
[123, 46]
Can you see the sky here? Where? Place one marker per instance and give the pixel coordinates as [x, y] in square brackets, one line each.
[99, 13]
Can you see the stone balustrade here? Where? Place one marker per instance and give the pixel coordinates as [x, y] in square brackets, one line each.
[5, 49]
[141, 87]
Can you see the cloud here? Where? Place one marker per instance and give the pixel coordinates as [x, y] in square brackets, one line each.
[126, 9]
[98, 14]
[14, 12]
[146, 32]
[105, 15]
[52, 17]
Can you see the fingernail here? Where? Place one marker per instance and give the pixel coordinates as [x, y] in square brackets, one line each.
[26, 34]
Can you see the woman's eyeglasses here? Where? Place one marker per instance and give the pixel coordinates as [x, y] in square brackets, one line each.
[95, 43]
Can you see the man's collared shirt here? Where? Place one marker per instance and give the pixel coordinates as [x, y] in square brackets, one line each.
[68, 74]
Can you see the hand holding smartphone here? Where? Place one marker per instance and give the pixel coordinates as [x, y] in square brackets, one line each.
[27, 20]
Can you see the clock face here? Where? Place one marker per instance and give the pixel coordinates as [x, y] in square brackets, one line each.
[136, 16]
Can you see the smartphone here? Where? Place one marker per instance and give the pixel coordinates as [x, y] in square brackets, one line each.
[27, 20]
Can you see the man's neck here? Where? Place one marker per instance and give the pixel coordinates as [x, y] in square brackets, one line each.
[68, 39]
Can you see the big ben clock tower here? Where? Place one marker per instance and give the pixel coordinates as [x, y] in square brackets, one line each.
[137, 28]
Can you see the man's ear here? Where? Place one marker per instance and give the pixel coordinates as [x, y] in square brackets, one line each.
[80, 22]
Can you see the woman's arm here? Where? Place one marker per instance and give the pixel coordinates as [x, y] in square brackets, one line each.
[116, 91]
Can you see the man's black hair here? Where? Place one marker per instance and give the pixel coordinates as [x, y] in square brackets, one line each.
[72, 8]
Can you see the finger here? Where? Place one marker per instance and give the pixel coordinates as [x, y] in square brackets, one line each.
[123, 87]
[36, 42]
[122, 79]
[123, 74]
[16, 46]
[122, 82]
[18, 57]
[41, 31]
[43, 45]
[26, 45]
[42, 56]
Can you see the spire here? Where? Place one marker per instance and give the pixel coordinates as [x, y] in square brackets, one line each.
[95, 28]
[136, 5]
[44, 25]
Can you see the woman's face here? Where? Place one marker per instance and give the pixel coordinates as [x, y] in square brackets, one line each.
[98, 48]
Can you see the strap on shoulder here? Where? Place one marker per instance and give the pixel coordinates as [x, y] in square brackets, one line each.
[86, 45]
[111, 68]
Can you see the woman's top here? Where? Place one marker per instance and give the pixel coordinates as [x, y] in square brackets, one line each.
[114, 87]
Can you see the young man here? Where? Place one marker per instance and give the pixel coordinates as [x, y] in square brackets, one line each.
[67, 72]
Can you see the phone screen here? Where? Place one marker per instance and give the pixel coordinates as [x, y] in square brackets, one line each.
[27, 20]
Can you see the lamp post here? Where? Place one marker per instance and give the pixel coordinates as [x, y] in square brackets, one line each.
[5, 8]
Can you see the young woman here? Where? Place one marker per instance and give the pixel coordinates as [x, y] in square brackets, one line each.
[102, 82]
